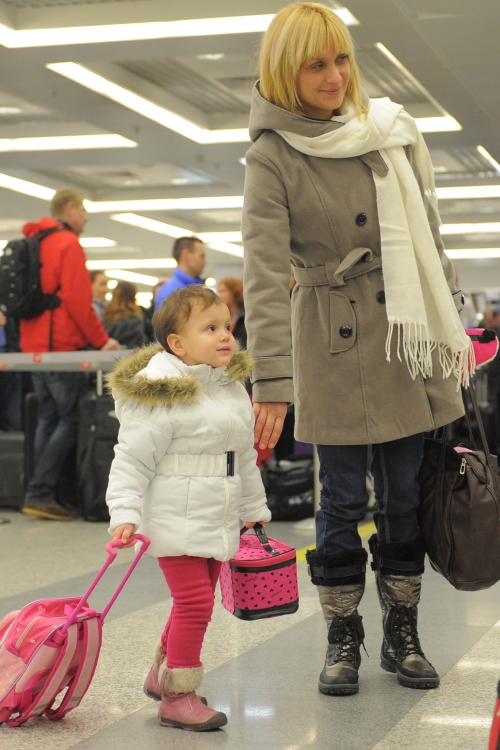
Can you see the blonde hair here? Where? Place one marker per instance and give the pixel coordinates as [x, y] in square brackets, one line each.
[61, 199]
[298, 33]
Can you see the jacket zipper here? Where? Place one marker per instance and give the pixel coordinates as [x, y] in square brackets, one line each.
[25, 633]
[227, 489]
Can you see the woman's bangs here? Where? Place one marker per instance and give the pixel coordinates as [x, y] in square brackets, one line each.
[324, 34]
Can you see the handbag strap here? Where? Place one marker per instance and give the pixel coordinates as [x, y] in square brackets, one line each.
[486, 450]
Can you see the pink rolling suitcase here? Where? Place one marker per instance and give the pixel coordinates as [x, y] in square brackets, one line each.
[261, 579]
[49, 651]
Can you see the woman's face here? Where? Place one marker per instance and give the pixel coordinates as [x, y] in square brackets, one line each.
[225, 294]
[322, 84]
[100, 286]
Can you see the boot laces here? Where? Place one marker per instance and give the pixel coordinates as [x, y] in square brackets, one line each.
[405, 632]
[347, 634]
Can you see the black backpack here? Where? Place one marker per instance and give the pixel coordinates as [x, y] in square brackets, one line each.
[21, 293]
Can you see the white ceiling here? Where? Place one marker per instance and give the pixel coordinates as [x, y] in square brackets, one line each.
[449, 46]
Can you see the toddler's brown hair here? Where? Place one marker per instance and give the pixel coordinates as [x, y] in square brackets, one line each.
[174, 313]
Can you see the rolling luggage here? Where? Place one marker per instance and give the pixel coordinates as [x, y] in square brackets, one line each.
[11, 469]
[261, 579]
[97, 437]
[289, 487]
[49, 651]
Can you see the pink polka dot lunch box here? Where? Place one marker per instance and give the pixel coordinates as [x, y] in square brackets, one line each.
[261, 579]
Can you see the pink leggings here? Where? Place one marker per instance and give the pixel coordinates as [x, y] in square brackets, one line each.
[192, 582]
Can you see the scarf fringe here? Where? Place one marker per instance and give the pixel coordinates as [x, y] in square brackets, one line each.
[416, 348]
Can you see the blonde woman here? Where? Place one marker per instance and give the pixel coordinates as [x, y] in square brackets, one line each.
[342, 187]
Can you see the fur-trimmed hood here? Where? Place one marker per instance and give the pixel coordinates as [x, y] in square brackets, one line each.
[152, 377]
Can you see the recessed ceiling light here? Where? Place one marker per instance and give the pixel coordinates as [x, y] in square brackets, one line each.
[489, 158]
[243, 161]
[215, 240]
[210, 282]
[151, 225]
[476, 254]
[135, 278]
[5, 110]
[490, 227]
[126, 263]
[66, 143]
[146, 108]
[210, 56]
[126, 32]
[166, 204]
[96, 242]
[470, 191]
[443, 124]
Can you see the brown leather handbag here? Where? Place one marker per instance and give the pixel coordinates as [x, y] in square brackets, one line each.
[459, 513]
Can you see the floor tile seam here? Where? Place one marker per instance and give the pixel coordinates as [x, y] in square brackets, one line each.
[431, 696]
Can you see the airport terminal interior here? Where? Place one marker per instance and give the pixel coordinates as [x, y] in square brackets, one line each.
[143, 107]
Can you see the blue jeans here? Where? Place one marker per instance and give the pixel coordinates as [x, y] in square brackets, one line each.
[344, 496]
[58, 396]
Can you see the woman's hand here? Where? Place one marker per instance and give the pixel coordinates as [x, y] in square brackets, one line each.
[123, 533]
[269, 421]
[251, 524]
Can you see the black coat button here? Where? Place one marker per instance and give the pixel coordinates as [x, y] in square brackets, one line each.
[361, 220]
[346, 332]
[381, 298]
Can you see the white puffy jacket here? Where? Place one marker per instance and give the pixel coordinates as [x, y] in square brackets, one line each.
[169, 475]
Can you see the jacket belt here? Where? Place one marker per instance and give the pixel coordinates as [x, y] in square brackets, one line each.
[337, 272]
[198, 465]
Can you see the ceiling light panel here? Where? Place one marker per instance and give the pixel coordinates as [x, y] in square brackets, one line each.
[126, 32]
[493, 162]
[151, 225]
[490, 227]
[96, 242]
[385, 75]
[25, 187]
[135, 278]
[475, 254]
[146, 108]
[468, 191]
[166, 204]
[179, 80]
[127, 264]
[66, 143]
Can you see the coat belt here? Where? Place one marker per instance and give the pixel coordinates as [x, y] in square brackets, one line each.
[198, 465]
[337, 272]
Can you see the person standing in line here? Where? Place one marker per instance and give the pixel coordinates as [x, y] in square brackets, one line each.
[123, 318]
[230, 290]
[99, 282]
[189, 252]
[342, 187]
[70, 327]
[184, 475]
[10, 382]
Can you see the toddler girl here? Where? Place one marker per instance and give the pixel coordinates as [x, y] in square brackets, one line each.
[184, 472]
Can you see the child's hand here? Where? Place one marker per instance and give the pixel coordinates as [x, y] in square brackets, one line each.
[123, 533]
[251, 524]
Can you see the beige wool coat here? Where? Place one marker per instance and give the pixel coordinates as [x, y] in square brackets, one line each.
[324, 348]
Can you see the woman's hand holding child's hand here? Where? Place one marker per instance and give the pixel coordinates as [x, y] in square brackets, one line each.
[123, 533]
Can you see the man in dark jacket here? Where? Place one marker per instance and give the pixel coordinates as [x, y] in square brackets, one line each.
[71, 326]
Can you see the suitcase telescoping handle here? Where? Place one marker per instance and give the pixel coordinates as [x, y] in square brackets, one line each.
[112, 550]
[261, 535]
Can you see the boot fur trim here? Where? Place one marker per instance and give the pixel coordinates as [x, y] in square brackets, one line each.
[387, 556]
[159, 654]
[334, 563]
[184, 680]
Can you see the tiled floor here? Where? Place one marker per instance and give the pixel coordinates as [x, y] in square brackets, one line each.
[262, 674]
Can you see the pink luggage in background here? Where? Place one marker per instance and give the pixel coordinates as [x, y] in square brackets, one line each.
[261, 579]
[49, 651]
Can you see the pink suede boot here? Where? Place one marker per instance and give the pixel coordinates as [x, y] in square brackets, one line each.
[181, 707]
[152, 684]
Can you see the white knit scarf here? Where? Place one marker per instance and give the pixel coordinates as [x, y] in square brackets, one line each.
[419, 302]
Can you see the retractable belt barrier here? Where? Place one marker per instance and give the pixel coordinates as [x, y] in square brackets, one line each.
[82, 361]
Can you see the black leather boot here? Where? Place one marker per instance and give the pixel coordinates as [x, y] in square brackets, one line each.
[341, 582]
[398, 572]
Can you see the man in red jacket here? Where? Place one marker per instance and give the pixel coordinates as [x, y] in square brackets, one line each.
[71, 326]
